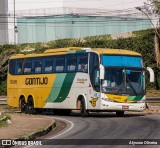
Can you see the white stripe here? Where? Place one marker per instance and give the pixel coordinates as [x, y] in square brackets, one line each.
[72, 125]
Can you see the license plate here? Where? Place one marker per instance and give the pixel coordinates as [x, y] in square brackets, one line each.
[125, 107]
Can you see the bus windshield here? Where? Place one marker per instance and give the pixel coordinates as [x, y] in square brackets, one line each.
[123, 81]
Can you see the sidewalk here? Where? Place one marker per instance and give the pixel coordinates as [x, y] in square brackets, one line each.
[25, 126]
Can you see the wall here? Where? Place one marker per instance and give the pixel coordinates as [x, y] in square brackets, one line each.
[44, 29]
[3, 21]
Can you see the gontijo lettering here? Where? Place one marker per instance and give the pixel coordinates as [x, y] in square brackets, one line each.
[36, 81]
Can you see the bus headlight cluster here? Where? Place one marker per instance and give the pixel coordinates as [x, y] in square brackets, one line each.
[141, 101]
[106, 99]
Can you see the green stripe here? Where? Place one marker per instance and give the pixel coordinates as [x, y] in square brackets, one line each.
[131, 98]
[56, 88]
[70, 52]
[81, 51]
[138, 98]
[76, 51]
[65, 89]
[134, 98]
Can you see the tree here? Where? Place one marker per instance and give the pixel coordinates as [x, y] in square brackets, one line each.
[155, 5]
[154, 8]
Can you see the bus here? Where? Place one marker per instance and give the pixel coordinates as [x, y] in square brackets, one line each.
[76, 78]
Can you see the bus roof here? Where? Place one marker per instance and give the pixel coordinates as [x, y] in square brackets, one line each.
[116, 51]
[59, 51]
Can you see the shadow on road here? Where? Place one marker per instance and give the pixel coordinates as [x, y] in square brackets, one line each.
[97, 114]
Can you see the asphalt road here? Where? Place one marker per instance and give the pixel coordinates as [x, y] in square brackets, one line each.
[100, 129]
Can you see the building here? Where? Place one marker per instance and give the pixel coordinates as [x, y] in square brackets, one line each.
[52, 20]
[3, 21]
[70, 23]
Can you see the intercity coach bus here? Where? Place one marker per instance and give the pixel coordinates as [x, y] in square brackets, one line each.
[77, 78]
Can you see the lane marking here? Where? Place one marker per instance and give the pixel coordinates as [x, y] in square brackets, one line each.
[72, 125]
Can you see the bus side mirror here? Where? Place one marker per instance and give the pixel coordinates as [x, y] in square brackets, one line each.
[151, 73]
[101, 67]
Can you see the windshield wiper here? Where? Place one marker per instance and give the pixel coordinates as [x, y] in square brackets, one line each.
[121, 86]
[130, 83]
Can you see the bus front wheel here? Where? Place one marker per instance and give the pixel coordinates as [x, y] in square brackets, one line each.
[84, 112]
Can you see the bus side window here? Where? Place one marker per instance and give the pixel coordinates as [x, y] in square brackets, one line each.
[48, 67]
[83, 63]
[12, 65]
[38, 63]
[19, 63]
[71, 63]
[27, 66]
[60, 63]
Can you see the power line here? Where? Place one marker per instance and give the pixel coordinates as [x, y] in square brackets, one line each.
[74, 1]
[22, 2]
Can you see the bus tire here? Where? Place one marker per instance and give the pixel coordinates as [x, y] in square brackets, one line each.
[84, 112]
[26, 109]
[120, 113]
[31, 109]
[22, 104]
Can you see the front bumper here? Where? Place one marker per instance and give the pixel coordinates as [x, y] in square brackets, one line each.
[122, 106]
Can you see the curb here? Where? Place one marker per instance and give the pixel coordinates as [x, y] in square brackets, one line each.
[38, 133]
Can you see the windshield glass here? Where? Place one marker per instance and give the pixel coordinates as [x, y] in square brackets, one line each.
[123, 81]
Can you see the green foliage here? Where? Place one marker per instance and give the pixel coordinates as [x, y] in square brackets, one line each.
[155, 5]
[141, 41]
[3, 88]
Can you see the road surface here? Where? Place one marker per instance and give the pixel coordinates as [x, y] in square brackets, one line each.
[100, 129]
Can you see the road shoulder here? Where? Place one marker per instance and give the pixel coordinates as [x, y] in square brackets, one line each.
[24, 126]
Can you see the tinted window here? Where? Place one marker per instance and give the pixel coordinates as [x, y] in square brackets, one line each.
[12, 65]
[38, 63]
[71, 63]
[27, 66]
[59, 64]
[48, 67]
[83, 63]
[19, 66]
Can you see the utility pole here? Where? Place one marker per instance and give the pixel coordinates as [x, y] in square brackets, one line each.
[144, 10]
[14, 16]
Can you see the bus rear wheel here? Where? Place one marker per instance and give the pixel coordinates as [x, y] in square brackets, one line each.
[22, 104]
[31, 109]
[120, 113]
[84, 112]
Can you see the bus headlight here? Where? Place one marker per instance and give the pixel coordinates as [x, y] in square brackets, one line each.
[108, 100]
[141, 101]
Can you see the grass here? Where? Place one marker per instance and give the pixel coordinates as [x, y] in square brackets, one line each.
[4, 123]
[29, 135]
[1, 116]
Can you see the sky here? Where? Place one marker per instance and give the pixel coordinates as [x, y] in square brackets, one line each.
[98, 4]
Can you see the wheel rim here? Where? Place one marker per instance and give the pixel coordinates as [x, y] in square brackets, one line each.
[22, 105]
[30, 107]
[82, 107]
